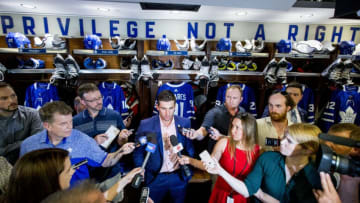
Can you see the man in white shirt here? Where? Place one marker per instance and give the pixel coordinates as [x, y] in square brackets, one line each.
[275, 125]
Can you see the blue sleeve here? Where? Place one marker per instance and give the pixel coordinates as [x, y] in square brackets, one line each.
[120, 123]
[328, 116]
[187, 142]
[250, 101]
[124, 107]
[155, 111]
[310, 106]
[55, 95]
[220, 96]
[254, 179]
[28, 101]
[138, 155]
[190, 111]
[96, 155]
[266, 111]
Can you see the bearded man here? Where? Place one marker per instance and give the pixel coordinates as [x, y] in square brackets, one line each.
[16, 123]
[274, 126]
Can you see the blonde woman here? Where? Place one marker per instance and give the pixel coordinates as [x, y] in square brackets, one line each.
[288, 176]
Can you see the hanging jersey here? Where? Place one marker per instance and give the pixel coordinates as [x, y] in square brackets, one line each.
[248, 102]
[184, 99]
[308, 104]
[343, 107]
[132, 99]
[38, 94]
[114, 98]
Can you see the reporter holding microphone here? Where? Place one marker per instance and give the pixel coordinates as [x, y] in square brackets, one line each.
[236, 153]
[288, 176]
[162, 172]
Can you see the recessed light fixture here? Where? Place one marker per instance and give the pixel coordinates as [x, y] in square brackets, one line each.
[28, 6]
[175, 12]
[307, 15]
[241, 13]
[103, 9]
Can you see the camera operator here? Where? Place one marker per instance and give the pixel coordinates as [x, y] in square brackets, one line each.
[349, 186]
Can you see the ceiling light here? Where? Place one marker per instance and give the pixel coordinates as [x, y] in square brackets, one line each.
[307, 15]
[242, 13]
[103, 9]
[28, 6]
[174, 12]
[171, 7]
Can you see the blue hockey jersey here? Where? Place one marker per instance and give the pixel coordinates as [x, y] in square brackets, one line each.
[184, 99]
[248, 102]
[114, 98]
[38, 94]
[343, 107]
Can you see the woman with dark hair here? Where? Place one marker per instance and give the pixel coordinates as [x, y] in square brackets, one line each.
[236, 153]
[42, 172]
[288, 176]
[38, 174]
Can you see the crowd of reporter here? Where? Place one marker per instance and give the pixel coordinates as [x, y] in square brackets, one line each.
[246, 167]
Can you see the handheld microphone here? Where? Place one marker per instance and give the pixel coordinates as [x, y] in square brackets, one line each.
[150, 148]
[138, 143]
[339, 140]
[144, 195]
[177, 147]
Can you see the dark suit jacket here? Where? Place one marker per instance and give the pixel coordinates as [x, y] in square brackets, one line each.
[155, 161]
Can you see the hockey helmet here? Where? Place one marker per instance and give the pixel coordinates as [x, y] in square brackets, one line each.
[163, 44]
[283, 46]
[92, 42]
[224, 44]
[346, 47]
[17, 40]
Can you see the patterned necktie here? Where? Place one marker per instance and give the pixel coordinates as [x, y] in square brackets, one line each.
[294, 117]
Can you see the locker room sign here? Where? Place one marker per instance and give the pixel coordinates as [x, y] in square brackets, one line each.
[72, 26]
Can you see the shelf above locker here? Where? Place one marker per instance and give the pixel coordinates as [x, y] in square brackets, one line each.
[105, 71]
[302, 56]
[175, 53]
[299, 74]
[30, 71]
[244, 73]
[109, 52]
[82, 71]
[239, 54]
[32, 51]
[352, 57]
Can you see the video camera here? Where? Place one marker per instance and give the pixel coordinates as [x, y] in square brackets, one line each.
[329, 161]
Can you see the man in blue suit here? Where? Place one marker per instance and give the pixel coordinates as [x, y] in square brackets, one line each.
[162, 172]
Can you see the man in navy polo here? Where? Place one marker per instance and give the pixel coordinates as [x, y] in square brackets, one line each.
[59, 133]
[94, 121]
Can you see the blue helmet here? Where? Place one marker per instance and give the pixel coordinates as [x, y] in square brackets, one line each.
[92, 42]
[17, 40]
[89, 63]
[100, 63]
[346, 47]
[284, 46]
[224, 44]
[163, 44]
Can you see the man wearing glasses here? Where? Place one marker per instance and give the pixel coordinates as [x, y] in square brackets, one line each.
[274, 126]
[95, 120]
